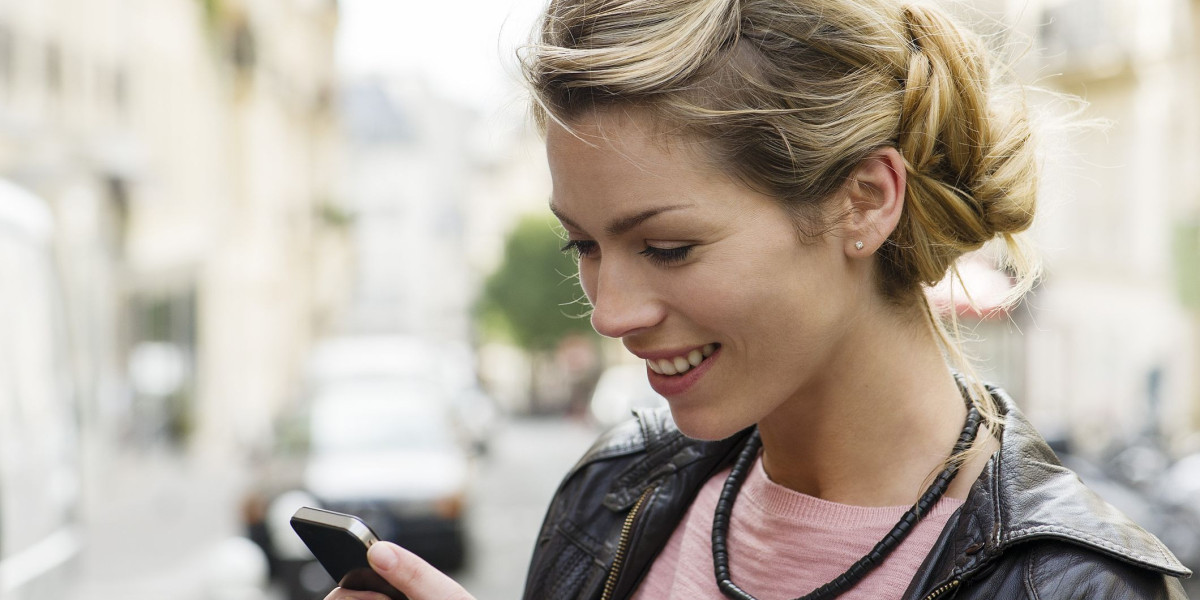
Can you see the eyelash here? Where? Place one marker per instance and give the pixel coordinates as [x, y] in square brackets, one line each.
[658, 256]
[666, 256]
[580, 248]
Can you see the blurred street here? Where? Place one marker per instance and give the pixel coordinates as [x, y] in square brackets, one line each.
[258, 250]
[153, 525]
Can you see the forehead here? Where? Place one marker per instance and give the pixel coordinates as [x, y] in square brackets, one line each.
[610, 175]
[622, 150]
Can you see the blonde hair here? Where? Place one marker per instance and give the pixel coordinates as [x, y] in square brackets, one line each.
[790, 96]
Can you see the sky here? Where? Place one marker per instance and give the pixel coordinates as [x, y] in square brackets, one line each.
[464, 49]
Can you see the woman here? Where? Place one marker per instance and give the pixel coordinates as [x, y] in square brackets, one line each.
[759, 192]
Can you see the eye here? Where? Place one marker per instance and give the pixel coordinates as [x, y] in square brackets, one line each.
[580, 248]
[666, 256]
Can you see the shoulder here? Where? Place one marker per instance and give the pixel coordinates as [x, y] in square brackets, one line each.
[1034, 497]
[1058, 570]
[1032, 529]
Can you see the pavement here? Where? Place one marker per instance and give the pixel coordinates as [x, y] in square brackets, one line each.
[152, 526]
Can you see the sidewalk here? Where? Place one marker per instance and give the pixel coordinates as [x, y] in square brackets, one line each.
[150, 524]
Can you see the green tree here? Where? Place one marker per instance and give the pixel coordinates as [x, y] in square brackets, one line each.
[534, 298]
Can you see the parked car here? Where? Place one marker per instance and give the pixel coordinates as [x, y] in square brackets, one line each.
[39, 467]
[450, 366]
[384, 449]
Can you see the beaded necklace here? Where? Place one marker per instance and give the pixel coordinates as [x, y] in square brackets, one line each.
[860, 569]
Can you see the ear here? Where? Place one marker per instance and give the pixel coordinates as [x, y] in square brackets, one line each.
[875, 194]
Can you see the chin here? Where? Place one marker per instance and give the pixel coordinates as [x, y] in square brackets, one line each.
[708, 428]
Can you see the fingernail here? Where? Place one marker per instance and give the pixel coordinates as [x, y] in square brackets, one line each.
[383, 555]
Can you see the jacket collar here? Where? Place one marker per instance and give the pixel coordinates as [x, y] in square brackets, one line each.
[1025, 493]
[665, 451]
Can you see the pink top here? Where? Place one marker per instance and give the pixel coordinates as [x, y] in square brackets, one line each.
[784, 544]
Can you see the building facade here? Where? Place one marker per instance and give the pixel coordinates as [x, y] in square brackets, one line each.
[1107, 349]
[189, 150]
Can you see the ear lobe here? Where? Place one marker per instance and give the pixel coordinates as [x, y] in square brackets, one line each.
[875, 192]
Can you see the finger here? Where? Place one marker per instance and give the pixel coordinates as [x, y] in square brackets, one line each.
[413, 576]
[345, 594]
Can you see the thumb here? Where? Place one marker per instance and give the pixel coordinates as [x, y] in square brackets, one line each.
[413, 576]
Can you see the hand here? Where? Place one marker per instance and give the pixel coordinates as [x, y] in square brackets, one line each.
[407, 573]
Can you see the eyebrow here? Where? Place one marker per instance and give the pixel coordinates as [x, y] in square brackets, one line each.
[622, 225]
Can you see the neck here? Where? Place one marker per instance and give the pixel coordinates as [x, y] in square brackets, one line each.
[878, 424]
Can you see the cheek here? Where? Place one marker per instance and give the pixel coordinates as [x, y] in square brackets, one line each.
[753, 283]
[773, 296]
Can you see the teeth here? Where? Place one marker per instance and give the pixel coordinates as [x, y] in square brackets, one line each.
[681, 364]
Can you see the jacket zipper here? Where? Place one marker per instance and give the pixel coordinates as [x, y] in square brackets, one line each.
[610, 584]
[942, 590]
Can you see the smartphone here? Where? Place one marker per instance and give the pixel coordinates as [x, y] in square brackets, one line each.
[340, 543]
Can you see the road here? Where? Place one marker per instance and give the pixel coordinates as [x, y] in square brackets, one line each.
[150, 522]
[153, 523]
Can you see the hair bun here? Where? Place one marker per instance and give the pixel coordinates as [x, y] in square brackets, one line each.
[972, 169]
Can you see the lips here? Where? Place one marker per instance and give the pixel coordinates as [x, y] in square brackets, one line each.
[676, 384]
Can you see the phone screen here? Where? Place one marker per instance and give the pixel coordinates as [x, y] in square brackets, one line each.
[340, 542]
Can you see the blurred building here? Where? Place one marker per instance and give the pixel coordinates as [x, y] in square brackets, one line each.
[1108, 348]
[434, 188]
[189, 149]
[408, 167]
[516, 182]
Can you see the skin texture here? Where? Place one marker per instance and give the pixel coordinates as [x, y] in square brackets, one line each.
[850, 393]
[778, 308]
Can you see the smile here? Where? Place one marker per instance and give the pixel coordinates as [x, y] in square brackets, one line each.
[681, 364]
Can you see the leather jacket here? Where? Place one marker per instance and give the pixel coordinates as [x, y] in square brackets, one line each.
[1029, 529]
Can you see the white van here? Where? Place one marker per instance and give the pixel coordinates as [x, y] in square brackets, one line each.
[39, 462]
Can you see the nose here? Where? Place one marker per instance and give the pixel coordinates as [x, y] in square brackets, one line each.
[622, 300]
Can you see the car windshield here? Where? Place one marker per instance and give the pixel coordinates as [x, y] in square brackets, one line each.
[379, 417]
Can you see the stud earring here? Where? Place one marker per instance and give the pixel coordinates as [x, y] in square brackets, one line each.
[858, 245]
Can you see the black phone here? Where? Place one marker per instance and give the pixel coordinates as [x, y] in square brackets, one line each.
[340, 542]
